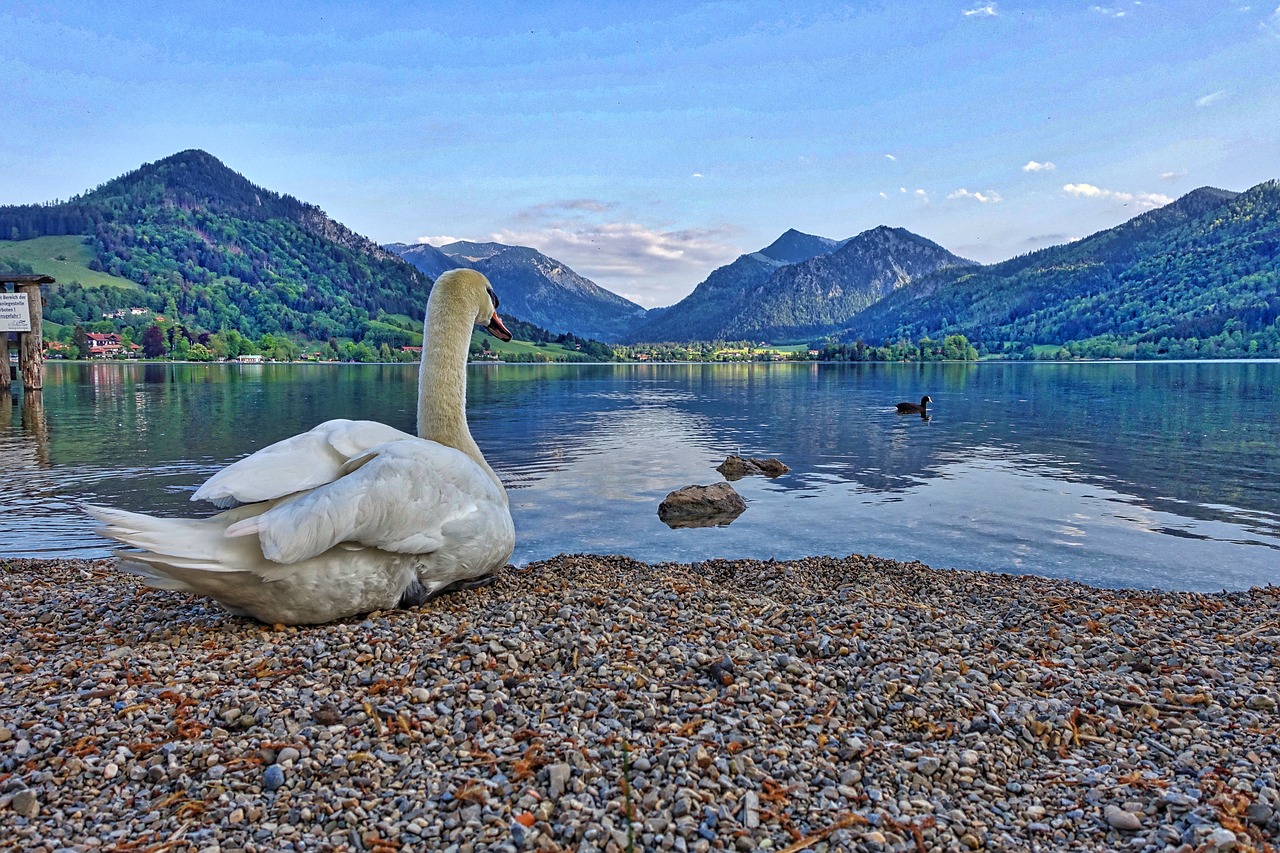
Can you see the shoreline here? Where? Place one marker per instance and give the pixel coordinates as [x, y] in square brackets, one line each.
[588, 702]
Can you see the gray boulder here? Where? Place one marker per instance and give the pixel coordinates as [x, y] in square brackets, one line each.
[701, 506]
[736, 467]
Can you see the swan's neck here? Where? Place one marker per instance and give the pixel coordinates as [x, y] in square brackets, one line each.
[442, 379]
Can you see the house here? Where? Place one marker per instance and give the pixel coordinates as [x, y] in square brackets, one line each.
[104, 345]
[249, 359]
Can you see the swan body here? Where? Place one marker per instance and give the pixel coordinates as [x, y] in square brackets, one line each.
[350, 516]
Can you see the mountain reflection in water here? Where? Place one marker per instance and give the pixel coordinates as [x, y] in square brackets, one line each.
[1116, 474]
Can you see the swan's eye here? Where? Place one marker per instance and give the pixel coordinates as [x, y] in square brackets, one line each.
[494, 297]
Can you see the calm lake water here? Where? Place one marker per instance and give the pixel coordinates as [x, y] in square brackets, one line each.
[1116, 474]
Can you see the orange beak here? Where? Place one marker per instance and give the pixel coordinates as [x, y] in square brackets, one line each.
[496, 328]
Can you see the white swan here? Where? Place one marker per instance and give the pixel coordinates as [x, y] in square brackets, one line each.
[351, 516]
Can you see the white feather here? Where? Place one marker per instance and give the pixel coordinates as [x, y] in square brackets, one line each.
[346, 517]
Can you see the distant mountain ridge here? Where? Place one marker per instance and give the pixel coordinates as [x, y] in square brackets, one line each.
[534, 287]
[1208, 262]
[800, 286]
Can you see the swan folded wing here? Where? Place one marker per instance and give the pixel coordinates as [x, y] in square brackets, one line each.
[302, 462]
[400, 497]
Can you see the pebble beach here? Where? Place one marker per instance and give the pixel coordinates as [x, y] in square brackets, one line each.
[596, 703]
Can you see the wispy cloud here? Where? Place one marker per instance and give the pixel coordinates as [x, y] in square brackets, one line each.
[1033, 166]
[1172, 176]
[1272, 24]
[989, 197]
[1211, 98]
[1109, 11]
[891, 157]
[984, 10]
[1143, 201]
[648, 264]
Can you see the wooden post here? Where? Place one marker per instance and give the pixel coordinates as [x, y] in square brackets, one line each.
[30, 340]
[31, 344]
[4, 356]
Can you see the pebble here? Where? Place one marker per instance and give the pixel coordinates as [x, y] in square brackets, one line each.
[273, 778]
[734, 705]
[1119, 818]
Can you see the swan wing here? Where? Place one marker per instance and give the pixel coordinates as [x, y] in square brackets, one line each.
[407, 497]
[296, 464]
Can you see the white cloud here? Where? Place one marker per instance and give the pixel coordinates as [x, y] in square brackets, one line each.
[697, 174]
[649, 264]
[1272, 24]
[922, 194]
[985, 10]
[989, 197]
[1144, 201]
[1033, 166]
[1172, 176]
[1211, 98]
[882, 195]
[1110, 12]
[891, 157]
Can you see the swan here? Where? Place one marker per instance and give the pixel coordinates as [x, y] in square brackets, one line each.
[350, 516]
[914, 408]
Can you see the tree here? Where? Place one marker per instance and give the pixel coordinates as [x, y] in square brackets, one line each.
[153, 342]
[80, 340]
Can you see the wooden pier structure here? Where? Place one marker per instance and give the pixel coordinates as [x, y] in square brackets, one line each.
[21, 311]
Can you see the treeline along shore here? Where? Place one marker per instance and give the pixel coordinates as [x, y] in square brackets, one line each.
[591, 702]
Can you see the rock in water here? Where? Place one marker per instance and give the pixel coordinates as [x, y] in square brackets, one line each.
[701, 506]
[736, 467]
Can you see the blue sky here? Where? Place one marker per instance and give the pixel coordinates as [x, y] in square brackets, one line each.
[644, 144]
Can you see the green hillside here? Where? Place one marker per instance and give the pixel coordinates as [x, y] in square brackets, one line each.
[201, 240]
[1199, 277]
[65, 258]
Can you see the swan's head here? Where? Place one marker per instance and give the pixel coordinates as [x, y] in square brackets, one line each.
[472, 291]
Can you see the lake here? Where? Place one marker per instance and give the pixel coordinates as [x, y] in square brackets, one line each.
[1152, 474]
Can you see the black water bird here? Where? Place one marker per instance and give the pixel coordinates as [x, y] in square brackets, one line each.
[915, 408]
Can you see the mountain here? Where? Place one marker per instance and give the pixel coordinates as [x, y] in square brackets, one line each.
[814, 297]
[699, 315]
[224, 253]
[534, 287]
[799, 287]
[1205, 265]
[427, 258]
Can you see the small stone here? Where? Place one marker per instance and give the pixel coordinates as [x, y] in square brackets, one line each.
[1118, 818]
[111, 771]
[288, 756]
[273, 778]
[1260, 702]
[1259, 813]
[559, 778]
[5, 735]
[1223, 839]
[928, 764]
[26, 804]
[971, 841]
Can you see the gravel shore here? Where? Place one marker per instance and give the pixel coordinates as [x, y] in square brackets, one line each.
[597, 703]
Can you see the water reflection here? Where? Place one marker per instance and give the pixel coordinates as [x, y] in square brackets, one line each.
[1122, 474]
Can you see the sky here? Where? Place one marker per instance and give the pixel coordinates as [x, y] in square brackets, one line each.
[644, 144]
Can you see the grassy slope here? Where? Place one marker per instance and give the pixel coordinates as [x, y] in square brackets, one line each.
[42, 254]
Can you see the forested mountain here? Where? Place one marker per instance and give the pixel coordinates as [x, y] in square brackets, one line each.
[534, 287]
[228, 254]
[817, 296]
[800, 287]
[703, 314]
[1194, 277]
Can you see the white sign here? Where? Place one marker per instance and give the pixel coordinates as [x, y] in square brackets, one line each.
[14, 316]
